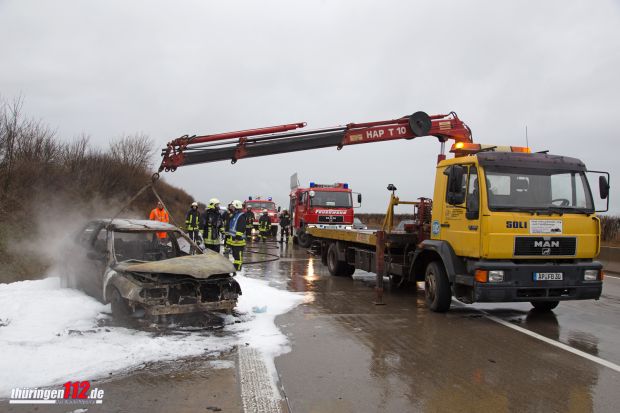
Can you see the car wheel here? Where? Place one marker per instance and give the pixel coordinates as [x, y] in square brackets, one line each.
[437, 288]
[544, 306]
[120, 308]
[337, 268]
[304, 239]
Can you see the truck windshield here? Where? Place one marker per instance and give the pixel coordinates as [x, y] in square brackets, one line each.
[538, 189]
[261, 205]
[331, 199]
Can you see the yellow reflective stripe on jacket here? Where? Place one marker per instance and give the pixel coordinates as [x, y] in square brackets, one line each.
[235, 243]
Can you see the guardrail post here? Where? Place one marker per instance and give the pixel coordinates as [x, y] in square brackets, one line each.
[380, 270]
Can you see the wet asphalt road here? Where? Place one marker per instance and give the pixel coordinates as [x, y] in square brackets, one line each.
[349, 355]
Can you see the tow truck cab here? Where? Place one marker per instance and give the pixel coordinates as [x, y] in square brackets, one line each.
[321, 206]
[515, 227]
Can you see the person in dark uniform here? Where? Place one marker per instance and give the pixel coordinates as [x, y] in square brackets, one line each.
[264, 225]
[213, 225]
[192, 223]
[235, 231]
[249, 223]
[285, 226]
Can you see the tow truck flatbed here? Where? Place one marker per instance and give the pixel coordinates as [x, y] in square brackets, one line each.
[362, 236]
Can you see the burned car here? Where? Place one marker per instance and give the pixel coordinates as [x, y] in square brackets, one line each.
[145, 267]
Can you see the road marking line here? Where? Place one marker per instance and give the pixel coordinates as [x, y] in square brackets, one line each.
[612, 276]
[257, 391]
[555, 343]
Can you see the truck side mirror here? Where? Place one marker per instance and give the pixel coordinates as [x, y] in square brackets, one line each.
[603, 187]
[279, 209]
[359, 198]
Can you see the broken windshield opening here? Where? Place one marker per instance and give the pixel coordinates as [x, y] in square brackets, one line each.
[145, 246]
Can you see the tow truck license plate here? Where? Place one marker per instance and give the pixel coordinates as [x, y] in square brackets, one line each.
[548, 276]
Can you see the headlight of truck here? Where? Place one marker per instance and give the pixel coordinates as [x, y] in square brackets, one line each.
[590, 275]
[496, 276]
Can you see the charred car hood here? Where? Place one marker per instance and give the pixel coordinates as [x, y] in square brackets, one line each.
[197, 266]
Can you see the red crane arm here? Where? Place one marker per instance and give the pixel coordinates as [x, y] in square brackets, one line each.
[189, 150]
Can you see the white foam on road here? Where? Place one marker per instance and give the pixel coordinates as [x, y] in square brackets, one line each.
[50, 335]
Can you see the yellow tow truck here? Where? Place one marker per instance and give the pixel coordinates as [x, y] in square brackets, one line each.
[504, 225]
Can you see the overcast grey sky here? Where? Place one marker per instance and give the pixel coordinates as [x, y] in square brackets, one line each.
[106, 68]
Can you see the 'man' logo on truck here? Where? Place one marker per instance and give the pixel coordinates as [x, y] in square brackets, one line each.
[547, 244]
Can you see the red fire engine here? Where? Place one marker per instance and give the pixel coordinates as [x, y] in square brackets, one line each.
[258, 204]
[321, 206]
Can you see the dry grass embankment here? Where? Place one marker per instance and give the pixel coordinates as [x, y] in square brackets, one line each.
[50, 186]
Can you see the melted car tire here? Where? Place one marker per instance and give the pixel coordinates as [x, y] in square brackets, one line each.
[337, 268]
[120, 308]
[544, 306]
[437, 288]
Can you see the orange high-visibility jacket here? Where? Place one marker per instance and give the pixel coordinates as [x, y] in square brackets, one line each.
[160, 215]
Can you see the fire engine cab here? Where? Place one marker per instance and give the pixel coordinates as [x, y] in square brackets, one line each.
[320, 206]
[258, 204]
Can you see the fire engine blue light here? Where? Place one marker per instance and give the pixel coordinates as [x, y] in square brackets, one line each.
[346, 186]
[312, 184]
[250, 198]
[269, 199]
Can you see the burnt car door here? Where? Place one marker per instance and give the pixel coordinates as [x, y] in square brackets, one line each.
[87, 260]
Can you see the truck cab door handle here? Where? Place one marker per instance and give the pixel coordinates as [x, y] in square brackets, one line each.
[446, 225]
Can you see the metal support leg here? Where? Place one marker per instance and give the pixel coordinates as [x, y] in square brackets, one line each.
[380, 270]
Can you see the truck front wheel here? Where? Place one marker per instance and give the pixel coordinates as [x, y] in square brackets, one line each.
[437, 288]
[544, 306]
[304, 239]
[337, 268]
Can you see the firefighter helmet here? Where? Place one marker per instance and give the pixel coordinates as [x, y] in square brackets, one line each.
[264, 211]
[194, 204]
[214, 201]
[237, 204]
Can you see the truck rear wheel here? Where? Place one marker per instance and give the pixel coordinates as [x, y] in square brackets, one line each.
[437, 288]
[544, 306]
[337, 268]
[304, 239]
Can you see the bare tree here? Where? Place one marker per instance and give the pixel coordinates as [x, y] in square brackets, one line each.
[134, 151]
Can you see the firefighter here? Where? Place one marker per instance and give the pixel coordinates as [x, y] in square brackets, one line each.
[235, 231]
[226, 215]
[213, 225]
[285, 225]
[192, 223]
[160, 214]
[264, 225]
[249, 222]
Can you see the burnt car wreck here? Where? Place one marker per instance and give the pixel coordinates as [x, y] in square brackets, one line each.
[145, 268]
